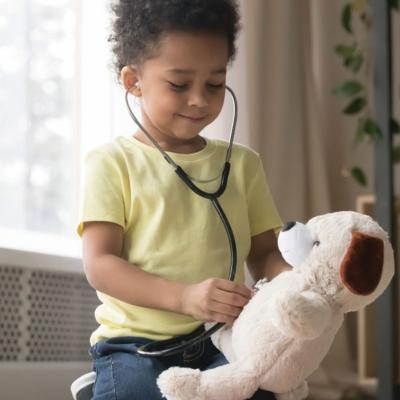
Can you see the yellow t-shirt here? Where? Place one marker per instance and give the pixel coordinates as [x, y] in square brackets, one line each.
[168, 230]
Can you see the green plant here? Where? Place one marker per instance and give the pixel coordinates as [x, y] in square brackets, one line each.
[356, 20]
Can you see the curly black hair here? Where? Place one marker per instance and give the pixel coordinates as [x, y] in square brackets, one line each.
[139, 24]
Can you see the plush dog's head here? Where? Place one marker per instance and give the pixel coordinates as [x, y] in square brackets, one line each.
[345, 254]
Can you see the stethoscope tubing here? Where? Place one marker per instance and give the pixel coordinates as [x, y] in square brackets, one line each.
[150, 349]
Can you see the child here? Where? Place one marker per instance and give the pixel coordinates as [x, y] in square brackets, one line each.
[157, 253]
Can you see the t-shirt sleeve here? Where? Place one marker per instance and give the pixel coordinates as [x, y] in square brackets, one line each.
[102, 191]
[263, 215]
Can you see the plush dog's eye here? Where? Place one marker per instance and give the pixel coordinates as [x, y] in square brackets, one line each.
[316, 243]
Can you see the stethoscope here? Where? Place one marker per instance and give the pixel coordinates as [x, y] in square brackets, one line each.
[159, 348]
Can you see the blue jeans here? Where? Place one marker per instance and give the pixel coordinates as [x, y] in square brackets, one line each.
[122, 374]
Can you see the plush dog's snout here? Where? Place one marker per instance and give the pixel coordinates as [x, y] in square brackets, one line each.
[295, 242]
[288, 225]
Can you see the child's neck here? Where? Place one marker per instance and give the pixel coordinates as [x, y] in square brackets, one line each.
[175, 146]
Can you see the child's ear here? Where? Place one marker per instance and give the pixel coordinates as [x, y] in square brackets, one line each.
[130, 80]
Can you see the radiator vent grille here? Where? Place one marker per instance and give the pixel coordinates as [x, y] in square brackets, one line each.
[45, 315]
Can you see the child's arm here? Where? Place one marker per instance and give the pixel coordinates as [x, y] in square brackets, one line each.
[265, 259]
[211, 300]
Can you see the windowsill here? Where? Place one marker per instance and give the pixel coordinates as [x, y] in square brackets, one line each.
[39, 250]
[38, 242]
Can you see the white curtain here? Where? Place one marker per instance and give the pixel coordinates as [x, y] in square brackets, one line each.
[294, 120]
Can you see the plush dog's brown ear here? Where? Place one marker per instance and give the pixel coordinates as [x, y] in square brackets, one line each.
[361, 268]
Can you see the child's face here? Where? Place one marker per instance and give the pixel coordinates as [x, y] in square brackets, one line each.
[182, 88]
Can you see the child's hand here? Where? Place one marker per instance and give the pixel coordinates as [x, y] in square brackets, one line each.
[215, 300]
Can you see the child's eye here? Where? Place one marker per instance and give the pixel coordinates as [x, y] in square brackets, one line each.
[175, 86]
[178, 87]
[219, 86]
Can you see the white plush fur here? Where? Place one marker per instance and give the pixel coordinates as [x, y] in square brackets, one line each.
[287, 328]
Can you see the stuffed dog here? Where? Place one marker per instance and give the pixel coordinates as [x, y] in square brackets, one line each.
[341, 262]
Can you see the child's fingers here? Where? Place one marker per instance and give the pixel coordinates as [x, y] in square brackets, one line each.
[230, 298]
[225, 309]
[226, 319]
[234, 287]
[215, 299]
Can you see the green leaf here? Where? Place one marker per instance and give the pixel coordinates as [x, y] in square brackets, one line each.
[396, 153]
[358, 174]
[355, 105]
[372, 129]
[348, 89]
[345, 51]
[356, 62]
[346, 17]
[394, 126]
[360, 134]
[395, 4]
[353, 62]
[347, 61]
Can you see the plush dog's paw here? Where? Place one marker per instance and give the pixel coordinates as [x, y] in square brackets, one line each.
[179, 383]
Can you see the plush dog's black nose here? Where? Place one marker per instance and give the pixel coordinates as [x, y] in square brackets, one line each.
[289, 225]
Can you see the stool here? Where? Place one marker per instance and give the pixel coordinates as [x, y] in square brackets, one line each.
[82, 387]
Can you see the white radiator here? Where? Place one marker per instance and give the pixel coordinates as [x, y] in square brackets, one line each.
[46, 318]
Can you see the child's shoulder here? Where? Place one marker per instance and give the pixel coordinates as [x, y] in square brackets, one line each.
[113, 149]
[240, 151]
[108, 156]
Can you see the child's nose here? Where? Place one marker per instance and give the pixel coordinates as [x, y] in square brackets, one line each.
[198, 98]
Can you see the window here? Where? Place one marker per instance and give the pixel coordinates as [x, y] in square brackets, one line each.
[36, 114]
[54, 56]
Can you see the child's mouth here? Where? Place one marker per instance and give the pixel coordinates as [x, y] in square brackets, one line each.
[193, 119]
